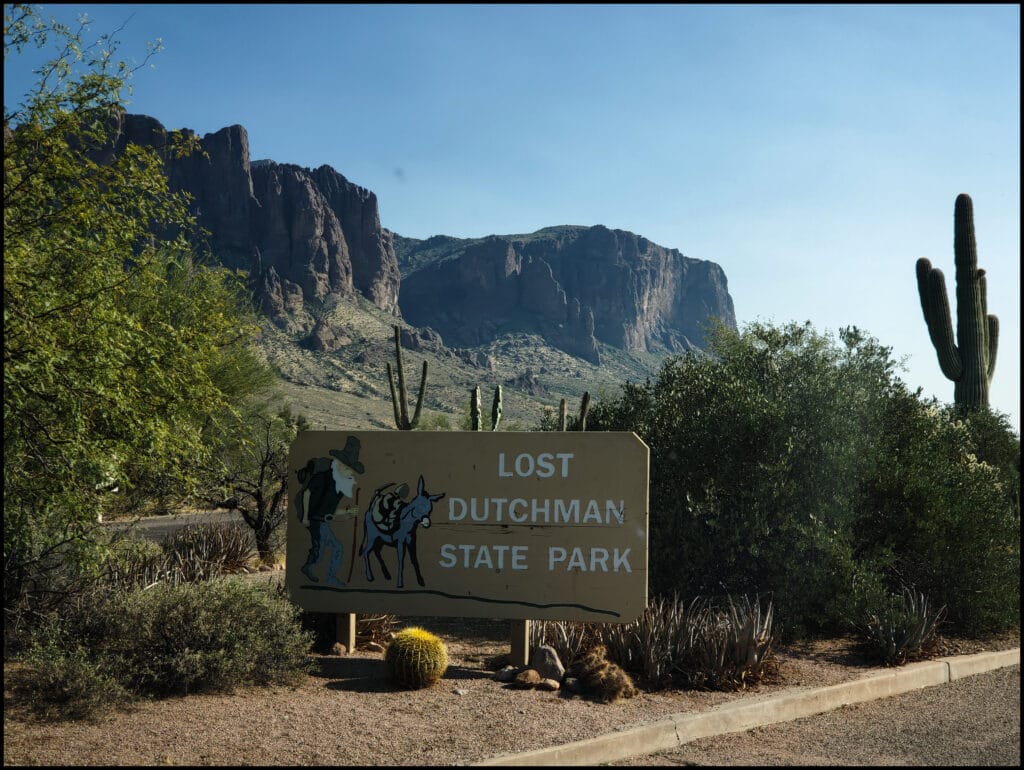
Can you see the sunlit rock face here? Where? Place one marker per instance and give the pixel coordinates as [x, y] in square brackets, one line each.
[303, 235]
[574, 285]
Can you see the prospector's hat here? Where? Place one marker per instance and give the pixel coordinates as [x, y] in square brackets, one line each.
[350, 454]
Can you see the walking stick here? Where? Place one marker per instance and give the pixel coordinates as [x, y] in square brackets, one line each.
[355, 529]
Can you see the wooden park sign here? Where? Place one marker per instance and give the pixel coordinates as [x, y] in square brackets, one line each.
[537, 525]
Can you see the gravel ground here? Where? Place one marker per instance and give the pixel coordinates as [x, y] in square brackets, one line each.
[348, 713]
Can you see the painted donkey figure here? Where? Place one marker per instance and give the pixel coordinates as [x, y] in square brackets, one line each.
[396, 527]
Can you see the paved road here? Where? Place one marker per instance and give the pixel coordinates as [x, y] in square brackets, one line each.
[156, 527]
[971, 721]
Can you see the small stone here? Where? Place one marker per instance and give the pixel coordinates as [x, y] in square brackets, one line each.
[551, 685]
[527, 679]
[374, 647]
[460, 692]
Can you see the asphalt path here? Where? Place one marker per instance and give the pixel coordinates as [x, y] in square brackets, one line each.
[157, 527]
[970, 721]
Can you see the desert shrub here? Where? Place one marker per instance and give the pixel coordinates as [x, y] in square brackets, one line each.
[942, 518]
[757, 452]
[698, 644]
[135, 563]
[169, 639]
[649, 646]
[902, 629]
[727, 648]
[784, 462]
[65, 681]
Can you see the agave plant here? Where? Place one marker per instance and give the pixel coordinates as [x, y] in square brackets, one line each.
[903, 630]
[727, 649]
[570, 639]
[650, 645]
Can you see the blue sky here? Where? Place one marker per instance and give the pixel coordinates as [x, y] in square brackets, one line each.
[814, 152]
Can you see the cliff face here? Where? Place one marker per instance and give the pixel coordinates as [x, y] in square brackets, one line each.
[309, 236]
[303, 235]
[574, 285]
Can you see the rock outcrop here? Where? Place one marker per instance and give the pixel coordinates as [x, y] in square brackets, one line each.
[574, 285]
[303, 235]
[308, 238]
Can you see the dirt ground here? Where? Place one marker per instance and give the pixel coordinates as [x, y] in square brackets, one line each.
[347, 713]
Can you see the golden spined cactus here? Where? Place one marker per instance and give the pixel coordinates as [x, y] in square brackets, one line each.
[416, 658]
[603, 680]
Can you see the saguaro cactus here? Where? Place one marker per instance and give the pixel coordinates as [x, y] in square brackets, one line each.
[581, 424]
[474, 408]
[398, 401]
[970, 361]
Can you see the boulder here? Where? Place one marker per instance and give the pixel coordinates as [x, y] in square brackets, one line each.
[545, 661]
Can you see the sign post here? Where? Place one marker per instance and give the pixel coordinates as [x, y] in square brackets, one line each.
[540, 525]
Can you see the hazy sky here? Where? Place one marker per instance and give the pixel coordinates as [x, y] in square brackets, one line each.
[814, 152]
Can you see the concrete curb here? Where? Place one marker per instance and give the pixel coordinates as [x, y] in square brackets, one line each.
[740, 716]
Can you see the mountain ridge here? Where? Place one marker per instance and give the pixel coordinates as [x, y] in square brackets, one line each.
[515, 310]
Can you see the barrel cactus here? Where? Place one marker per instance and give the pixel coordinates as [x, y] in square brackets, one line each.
[971, 359]
[416, 658]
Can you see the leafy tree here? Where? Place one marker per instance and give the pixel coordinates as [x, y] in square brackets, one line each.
[113, 339]
[250, 473]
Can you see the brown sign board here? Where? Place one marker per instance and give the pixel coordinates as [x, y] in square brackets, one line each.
[539, 525]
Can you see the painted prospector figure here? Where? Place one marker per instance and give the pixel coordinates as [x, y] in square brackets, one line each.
[327, 480]
[389, 520]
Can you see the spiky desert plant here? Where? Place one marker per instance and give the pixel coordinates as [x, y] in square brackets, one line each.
[650, 645]
[902, 630]
[726, 649]
[971, 361]
[602, 679]
[400, 399]
[569, 638]
[416, 658]
[474, 408]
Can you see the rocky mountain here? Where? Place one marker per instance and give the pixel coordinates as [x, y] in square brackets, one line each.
[309, 238]
[305, 236]
[576, 286]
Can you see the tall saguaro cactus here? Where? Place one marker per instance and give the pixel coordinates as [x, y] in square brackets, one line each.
[581, 424]
[398, 401]
[474, 408]
[970, 361]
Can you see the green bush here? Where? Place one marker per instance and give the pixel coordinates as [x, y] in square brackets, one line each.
[784, 462]
[942, 518]
[65, 681]
[172, 639]
[757, 451]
